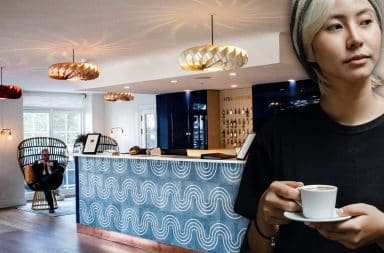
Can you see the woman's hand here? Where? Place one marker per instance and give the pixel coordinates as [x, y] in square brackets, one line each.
[279, 197]
[365, 227]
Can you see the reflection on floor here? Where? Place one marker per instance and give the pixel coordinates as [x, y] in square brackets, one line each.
[64, 207]
[22, 231]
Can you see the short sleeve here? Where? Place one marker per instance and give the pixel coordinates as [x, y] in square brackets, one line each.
[257, 174]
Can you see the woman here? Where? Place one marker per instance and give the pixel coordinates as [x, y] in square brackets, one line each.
[337, 142]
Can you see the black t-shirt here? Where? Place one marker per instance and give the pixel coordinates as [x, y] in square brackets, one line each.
[304, 144]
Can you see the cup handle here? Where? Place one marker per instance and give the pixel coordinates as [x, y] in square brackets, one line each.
[299, 203]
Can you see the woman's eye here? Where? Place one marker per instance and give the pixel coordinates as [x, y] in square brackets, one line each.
[367, 22]
[334, 27]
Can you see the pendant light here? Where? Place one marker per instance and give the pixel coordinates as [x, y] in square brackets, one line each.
[213, 57]
[119, 96]
[9, 91]
[73, 70]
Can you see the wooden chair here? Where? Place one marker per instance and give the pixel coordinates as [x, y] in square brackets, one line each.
[105, 143]
[29, 151]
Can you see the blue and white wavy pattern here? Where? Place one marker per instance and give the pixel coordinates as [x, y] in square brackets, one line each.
[138, 166]
[102, 164]
[184, 203]
[206, 170]
[159, 167]
[208, 238]
[120, 166]
[87, 164]
[231, 171]
[159, 195]
[181, 169]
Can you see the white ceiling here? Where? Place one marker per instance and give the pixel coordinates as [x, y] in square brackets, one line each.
[136, 43]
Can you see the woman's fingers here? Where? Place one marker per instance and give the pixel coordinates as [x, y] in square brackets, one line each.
[284, 194]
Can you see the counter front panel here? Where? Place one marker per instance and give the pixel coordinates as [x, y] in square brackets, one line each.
[177, 202]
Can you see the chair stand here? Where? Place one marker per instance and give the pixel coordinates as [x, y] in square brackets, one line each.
[40, 203]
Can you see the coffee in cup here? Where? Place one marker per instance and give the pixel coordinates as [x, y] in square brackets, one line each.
[318, 201]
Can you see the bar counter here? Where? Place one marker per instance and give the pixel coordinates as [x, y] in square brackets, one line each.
[169, 204]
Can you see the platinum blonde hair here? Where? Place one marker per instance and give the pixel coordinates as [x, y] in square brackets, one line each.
[307, 19]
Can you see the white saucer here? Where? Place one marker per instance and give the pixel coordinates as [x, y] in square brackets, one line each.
[300, 217]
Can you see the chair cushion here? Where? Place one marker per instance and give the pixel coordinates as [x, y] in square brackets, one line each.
[29, 175]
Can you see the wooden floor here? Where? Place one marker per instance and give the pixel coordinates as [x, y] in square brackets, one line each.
[22, 232]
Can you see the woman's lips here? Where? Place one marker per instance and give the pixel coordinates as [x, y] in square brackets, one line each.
[357, 59]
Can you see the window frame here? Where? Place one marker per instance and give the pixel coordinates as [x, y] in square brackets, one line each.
[67, 189]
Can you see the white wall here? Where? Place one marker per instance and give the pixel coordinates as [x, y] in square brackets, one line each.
[95, 114]
[101, 116]
[11, 179]
[127, 116]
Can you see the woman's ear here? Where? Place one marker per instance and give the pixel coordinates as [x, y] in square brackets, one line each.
[311, 55]
[311, 60]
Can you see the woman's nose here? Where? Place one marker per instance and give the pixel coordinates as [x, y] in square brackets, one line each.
[355, 39]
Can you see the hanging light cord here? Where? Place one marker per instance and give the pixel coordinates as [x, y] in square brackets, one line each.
[73, 55]
[1, 76]
[212, 29]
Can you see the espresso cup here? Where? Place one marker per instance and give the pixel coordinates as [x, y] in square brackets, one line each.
[318, 201]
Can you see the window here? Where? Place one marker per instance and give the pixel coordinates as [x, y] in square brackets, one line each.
[65, 125]
[59, 115]
[148, 128]
[36, 124]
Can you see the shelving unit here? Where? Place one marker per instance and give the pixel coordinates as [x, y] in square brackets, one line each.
[236, 120]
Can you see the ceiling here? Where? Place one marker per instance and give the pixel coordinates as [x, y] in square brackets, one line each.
[136, 43]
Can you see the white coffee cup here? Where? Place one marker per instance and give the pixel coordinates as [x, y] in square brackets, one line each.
[318, 201]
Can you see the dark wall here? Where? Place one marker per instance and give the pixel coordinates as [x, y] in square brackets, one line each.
[270, 98]
[178, 118]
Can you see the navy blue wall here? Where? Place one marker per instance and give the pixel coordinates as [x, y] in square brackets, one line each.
[175, 118]
[270, 98]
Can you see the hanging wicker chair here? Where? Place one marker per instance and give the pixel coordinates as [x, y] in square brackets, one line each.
[29, 151]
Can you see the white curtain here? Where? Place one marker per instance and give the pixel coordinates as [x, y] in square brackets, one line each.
[54, 100]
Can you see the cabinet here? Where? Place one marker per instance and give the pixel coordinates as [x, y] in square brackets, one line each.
[271, 98]
[188, 120]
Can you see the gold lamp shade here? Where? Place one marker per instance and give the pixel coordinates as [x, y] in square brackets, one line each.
[213, 58]
[9, 91]
[73, 70]
[119, 96]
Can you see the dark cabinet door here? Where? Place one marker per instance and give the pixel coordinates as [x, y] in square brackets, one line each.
[182, 120]
[172, 118]
[162, 114]
[198, 119]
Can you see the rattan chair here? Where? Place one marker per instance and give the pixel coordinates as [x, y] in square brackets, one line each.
[105, 143]
[28, 151]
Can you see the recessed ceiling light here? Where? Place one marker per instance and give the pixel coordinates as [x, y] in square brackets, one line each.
[127, 87]
[233, 74]
[174, 81]
[291, 80]
[234, 86]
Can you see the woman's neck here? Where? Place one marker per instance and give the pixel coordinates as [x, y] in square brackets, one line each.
[351, 104]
